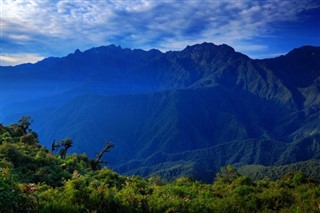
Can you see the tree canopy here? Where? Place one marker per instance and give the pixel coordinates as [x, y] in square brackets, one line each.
[32, 178]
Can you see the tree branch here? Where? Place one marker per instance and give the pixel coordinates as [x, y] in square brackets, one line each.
[103, 151]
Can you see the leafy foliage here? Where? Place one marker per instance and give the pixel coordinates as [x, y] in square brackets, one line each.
[34, 179]
[63, 147]
[310, 168]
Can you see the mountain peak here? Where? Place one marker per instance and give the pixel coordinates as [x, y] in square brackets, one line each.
[77, 52]
[103, 49]
[309, 51]
[205, 46]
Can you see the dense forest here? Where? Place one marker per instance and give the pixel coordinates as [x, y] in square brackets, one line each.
[34, 178]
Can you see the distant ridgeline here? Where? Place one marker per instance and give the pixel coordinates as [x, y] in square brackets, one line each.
[177, 113]
[35, 179]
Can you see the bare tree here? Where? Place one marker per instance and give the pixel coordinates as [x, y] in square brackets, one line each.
[103, 151]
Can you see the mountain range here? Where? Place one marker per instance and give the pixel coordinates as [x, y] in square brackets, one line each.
[177, 113]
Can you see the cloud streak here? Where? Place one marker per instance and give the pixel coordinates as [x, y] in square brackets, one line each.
[47, 27]
[19, 58]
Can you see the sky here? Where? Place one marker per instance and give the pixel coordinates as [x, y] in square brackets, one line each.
[34, 29]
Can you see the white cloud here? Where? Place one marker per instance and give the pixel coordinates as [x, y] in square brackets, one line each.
[19, 37]
[19, 58]
[64, 25]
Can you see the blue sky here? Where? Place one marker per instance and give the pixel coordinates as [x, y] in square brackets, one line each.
[34, 29]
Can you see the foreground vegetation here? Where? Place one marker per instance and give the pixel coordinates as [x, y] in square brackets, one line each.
[32, 178]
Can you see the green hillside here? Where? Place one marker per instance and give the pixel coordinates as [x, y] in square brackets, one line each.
[311, 168]
[33, 179]
[204, 163]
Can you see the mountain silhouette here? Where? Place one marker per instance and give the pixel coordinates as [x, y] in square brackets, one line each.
[177, 113]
